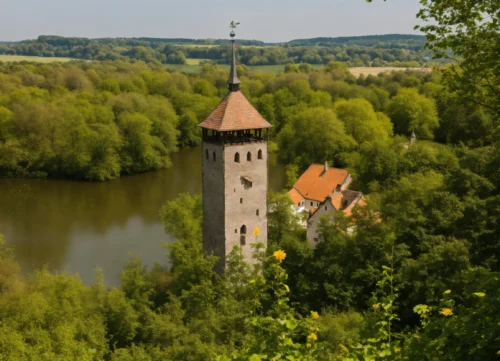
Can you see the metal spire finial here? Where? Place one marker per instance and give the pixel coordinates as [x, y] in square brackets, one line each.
[233, 81]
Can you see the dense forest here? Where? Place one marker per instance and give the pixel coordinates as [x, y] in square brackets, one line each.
[417, 279]
[383, 50]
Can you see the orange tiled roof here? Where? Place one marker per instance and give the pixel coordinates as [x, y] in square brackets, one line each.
[295, 196]
[235, 112]
[336, 199]
[316, 184]
[314, 210]
[348, 210]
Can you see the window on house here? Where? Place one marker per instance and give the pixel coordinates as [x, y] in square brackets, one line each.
[206, 154]
[249, 156]
[237, 157]
[257, 212]
[241, 200]
[213, 156]
[259, 154]
[236, 230]
[298, 204]
[326, 208]
[311, 204]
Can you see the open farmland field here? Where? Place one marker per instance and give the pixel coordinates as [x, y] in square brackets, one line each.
[375, 70]
[38, 59]
[191, 61]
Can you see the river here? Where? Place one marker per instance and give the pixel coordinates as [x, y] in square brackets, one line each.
[81, 226]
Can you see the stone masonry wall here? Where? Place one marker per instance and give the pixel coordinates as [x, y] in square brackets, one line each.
[213, 201]
[245, 204]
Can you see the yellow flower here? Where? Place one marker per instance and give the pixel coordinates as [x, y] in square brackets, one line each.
[279, 255]
[376, 306]
[446, 312]
[314, 315]
[447, 292]
[256, 231]
[312, 337]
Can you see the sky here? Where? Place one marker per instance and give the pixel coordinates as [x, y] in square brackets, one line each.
[267, 20]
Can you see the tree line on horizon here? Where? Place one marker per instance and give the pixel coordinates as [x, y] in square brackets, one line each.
[379, 50]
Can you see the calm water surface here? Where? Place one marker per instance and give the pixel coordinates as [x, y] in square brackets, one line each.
[80, 226]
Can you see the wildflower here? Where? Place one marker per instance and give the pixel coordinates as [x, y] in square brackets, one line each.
[314, 315]
[376, 306]
[279, 255]
[447, 292]
[312, 337]
[446, 312]
[256, 231]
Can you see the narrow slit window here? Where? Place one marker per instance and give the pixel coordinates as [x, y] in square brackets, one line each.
[257, 212]
[213, 156]
[249, 156]
[241, 200]
[206, 154]
[243, 232]
[237, 157]
[259, 154]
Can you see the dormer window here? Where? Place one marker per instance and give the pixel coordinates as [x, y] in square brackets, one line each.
[247, 181]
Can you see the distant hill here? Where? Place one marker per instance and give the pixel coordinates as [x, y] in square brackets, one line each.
[413, 42]
[407, 41]
[56, 40]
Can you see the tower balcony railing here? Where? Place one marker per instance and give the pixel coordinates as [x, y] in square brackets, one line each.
[235, 138]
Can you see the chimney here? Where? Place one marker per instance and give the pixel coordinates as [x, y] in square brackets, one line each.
[326, 165]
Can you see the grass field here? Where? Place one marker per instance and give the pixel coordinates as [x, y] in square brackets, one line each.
[38, 59]
[190, 61]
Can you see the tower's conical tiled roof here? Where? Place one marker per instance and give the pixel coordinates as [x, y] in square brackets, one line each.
[235, 113]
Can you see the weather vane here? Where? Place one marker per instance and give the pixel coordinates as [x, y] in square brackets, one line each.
[233, 26]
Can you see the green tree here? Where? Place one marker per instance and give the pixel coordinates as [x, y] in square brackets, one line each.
[410, 111]
[361, 121]
[313, 136]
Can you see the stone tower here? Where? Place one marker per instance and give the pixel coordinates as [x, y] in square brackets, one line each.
[234, 174]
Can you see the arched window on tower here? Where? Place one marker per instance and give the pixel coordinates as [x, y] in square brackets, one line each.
[237, 157]
[259, 154]
[206, 154]
[249, 156]
[243, 233]
[213, 156]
